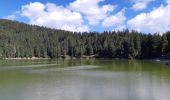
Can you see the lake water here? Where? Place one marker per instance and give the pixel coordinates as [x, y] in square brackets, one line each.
[84, 80]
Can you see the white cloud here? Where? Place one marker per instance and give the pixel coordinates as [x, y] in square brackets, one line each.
[12, 16]
[116, 19]
[158, 20]
[53, 16]
[91, 10]
[168, 1]
[140, 4]
[79, 15]
[33, 10]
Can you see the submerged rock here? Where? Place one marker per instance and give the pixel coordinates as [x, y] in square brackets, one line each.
[168, 63]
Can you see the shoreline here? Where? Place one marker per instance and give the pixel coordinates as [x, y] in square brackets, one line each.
[18, 58]
[88, 58]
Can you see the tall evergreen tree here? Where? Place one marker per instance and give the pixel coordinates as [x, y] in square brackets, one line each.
[22, 40]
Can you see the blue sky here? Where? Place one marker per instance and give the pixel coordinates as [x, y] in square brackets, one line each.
[147, 16]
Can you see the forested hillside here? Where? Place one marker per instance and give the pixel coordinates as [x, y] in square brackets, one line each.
[22, 40]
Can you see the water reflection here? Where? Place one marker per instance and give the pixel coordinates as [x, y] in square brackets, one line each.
[111, 80]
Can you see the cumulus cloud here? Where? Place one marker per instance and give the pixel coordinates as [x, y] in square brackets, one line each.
[54, 16]
[80, 15]
[12, 16]
[158, 20]
[116, 19]
[72, 17]
[91, 9]
[168, 1]
[140, 4]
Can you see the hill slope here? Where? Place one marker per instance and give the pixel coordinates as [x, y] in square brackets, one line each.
[23, 40]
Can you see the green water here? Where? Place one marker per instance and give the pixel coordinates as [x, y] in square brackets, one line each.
[84, 80]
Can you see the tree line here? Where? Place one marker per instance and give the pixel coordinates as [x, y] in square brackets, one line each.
[23, 40]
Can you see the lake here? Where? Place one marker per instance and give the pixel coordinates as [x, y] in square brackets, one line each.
[84, 80]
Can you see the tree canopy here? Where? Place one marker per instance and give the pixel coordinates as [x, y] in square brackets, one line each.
[23, 40]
